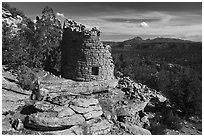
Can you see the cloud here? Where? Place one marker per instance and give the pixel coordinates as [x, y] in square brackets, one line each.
[60, 14]
[122, 26]
[130, 20]
[185, 20]
[144, 25]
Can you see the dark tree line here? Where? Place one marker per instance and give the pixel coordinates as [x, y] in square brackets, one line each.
[181, 85]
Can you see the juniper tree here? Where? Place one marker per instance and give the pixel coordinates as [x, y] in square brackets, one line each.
[48, 36]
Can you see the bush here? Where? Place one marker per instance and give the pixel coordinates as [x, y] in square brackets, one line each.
[171, 120]
[33, 45]
[182, 85]
[27, 79]
[157, 128]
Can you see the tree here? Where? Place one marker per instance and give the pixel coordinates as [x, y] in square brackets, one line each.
[16, 41]
[34, 45]
[6, 40]
[48, 36]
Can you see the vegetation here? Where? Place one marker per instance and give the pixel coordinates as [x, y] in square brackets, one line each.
[27, 78]
[175, 72]
[36, 45]
[168, 72]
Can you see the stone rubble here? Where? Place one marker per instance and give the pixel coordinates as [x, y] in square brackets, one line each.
[82, 102]
[138, 90]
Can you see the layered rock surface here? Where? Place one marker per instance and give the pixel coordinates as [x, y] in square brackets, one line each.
[81, 114]
[12, 94]
[117, 110]
[56, 87]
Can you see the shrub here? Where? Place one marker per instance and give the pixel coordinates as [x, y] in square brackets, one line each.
[34, 45]
[171, 120]
[27, 78]
[182, 85]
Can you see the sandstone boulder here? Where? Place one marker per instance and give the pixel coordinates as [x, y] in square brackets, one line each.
[82, 110]
[93, 114]
[74, 130]
[51, 120]
[68, 87]
[131, 108]
[83, 102]
[60, 100]
[161, 98]
[43, 106]
[58, 108]
[6, 125]
[100, 128]
[66, 112]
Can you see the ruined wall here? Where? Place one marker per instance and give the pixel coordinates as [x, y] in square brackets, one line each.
[84, 57]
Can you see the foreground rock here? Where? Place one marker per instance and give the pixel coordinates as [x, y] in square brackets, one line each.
[84, 108]
[100, 128]
[73, 115]
[12, 94]
[68, 87]
[50, 120]
[74, 130]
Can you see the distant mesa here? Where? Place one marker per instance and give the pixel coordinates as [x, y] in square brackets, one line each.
[156, 40]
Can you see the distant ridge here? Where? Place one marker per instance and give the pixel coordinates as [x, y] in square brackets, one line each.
[157, 43]
[138, 40]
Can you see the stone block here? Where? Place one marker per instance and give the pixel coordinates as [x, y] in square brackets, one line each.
[82, 102]
[92, 114]
[66, 112]
[58, 108]
[131, 108]
[43, 106]
[83, 110]
[102, 127]
[43, 119]
[74, 130]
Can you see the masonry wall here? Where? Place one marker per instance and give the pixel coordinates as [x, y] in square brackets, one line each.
[84, 57]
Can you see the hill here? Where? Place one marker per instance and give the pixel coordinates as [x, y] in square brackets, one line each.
[137, 40]
[155, 44]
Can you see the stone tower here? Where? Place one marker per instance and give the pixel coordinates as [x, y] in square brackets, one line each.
[84, 57]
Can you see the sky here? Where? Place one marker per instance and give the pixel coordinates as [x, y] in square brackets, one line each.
[120, 21]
